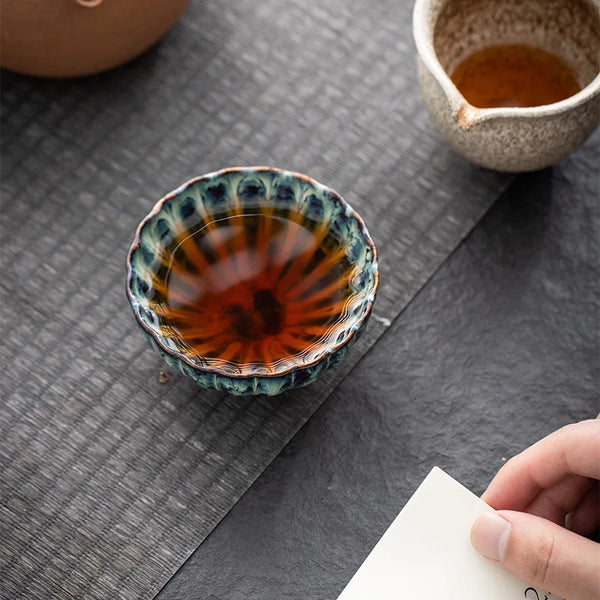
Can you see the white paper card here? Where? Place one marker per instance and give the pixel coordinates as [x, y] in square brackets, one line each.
[427, 552]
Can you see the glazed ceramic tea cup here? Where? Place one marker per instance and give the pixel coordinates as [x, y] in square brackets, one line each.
[509, 138]
[252, 280]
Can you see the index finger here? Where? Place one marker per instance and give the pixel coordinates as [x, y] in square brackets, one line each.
[572, 450]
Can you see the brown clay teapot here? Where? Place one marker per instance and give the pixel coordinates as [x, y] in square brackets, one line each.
[65, 38]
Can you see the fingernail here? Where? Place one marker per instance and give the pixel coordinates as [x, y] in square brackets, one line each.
[489, 535]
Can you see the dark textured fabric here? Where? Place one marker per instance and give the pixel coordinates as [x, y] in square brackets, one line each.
[499, 349]
[109, 478]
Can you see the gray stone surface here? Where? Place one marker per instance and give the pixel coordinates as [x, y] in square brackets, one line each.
[499, 349]
[109, 479]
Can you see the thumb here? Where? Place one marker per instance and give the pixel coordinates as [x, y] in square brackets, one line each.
[540, 553]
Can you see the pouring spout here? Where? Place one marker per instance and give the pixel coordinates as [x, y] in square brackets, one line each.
[466, 116]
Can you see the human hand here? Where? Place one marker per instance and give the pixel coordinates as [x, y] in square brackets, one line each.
[547, 499]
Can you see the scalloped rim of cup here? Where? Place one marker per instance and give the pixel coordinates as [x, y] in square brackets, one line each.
[294, 367]
[423, 35]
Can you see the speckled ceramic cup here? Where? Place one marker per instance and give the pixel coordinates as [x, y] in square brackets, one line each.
[338, 279]
[509, 139]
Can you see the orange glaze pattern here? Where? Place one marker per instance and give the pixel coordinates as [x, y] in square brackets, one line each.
[253, 289]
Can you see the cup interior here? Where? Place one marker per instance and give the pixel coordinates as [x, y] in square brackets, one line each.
[567, 28]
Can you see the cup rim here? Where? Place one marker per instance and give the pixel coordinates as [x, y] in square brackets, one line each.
[294, 367]
[423, 28]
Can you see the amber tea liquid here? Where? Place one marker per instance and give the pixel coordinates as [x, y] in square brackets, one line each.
[514, 75]
[253, 288]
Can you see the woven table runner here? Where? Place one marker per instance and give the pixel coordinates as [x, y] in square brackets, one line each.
[111, 477]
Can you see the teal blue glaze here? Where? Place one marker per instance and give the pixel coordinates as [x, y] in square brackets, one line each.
[254, 187]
